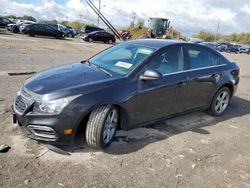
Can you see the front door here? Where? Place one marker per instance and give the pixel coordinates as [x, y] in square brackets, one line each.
[49, 31]
[159, 98]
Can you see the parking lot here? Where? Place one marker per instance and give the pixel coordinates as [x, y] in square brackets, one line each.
[194, 150]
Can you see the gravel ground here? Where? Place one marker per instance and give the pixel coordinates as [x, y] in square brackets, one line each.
[194, 150]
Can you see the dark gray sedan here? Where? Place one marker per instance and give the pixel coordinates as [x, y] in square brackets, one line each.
[128, 85]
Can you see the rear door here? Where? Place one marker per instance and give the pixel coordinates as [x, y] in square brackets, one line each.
[98, 36]
[103, 37]
[160, 98]
[204, 71]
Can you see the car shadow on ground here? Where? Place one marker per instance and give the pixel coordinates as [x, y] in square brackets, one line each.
[133, 140]
[4, 32]
[48, 37]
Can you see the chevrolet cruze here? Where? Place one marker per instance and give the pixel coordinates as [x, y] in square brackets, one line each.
[128, 85]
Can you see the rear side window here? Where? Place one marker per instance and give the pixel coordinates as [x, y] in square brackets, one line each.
[201, 57]
[48, 27]
[216, 59]
[198, 57]
[169, 61]
[6, 21]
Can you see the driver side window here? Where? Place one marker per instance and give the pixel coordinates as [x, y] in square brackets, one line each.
[47, 27]
[169, 61]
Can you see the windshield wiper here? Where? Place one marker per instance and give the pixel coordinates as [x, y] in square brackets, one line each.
[99, 68]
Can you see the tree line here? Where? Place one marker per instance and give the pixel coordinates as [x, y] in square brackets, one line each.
[25, 17]
[243, 38]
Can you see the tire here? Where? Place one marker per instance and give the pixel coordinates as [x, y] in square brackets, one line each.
[110, 41]
[15, 31]
[220, 101]
[70, 35]
[31, 33]
[90, 40]
[101, 126]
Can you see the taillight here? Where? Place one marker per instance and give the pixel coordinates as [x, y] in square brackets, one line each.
[236, 71]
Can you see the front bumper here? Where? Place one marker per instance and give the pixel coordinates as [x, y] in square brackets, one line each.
[43, 128]
[245, 51]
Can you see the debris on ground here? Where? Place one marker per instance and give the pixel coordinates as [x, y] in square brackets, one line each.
[20, 73]
[60, 184]
[26, 181]
[4, 148]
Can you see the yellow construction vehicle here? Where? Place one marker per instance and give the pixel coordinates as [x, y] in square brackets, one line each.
[158, 28]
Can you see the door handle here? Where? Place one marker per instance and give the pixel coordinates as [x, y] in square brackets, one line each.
[181, 84]
[216, 75]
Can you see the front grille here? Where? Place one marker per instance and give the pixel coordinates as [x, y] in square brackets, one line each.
[43, 132]
[25, 93]
[20, 105]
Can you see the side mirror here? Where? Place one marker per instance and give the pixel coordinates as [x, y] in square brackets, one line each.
[151, 75]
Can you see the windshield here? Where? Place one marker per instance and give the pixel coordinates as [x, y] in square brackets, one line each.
[158, 26]
[121, 59]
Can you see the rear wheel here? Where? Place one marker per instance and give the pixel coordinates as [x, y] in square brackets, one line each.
[31, 33]
[220, 101]
[110, 41]
[101, 126]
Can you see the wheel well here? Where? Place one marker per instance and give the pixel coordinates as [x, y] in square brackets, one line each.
[229, 86]
[82, 125]
[123, 120]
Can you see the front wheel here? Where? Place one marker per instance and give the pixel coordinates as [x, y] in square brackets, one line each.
[220, 101]
[101, 126]
[70, 35]
[90, 40]
[15, 30]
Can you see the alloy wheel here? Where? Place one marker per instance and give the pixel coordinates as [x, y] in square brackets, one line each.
[222, 101]
[110, 126]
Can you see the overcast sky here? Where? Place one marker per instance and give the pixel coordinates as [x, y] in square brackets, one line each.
[187, 16]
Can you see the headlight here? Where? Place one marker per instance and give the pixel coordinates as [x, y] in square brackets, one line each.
[19, 91]
[52, 106]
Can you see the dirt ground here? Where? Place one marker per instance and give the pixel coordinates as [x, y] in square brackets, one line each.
[194, 150]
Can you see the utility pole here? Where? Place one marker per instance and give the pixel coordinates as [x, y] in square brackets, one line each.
[217, 31]
[80, 16]
[99, 8]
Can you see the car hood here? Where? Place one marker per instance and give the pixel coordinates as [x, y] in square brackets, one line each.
[63, 78]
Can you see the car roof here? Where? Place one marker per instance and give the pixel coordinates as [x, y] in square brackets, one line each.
[155, 43]
[92, 26]
[102, 31]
